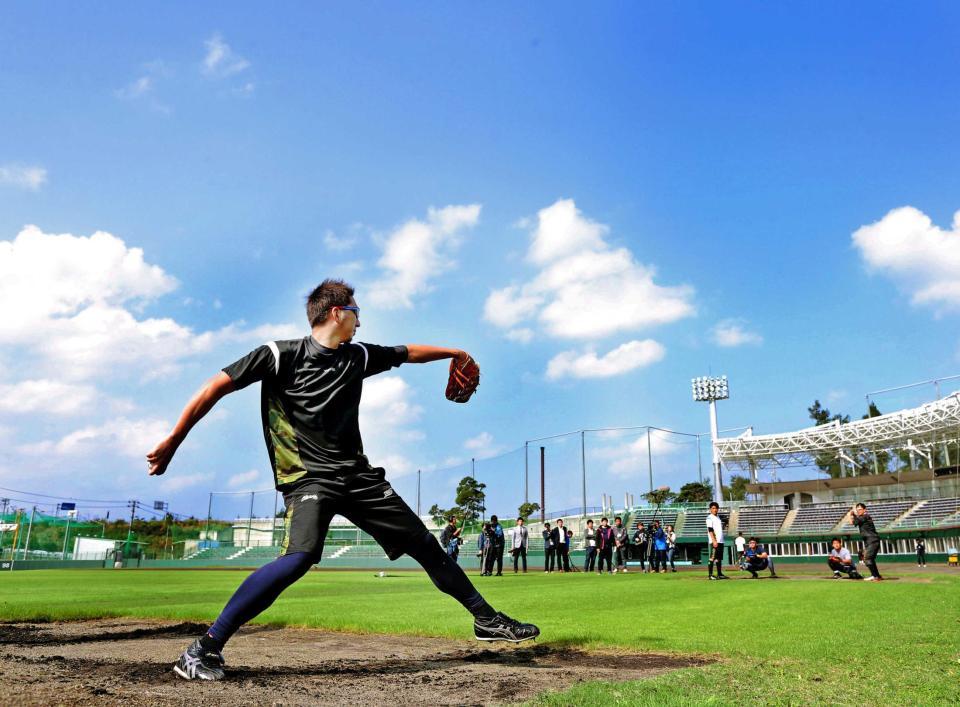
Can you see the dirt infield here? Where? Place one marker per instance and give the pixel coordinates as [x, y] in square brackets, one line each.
[114, 661]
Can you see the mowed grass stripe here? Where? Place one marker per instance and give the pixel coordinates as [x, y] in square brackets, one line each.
[805, 640]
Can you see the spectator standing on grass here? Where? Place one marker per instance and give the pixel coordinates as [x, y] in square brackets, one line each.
[871, 540]
[604, 546]
[640, 543]
[563, 547]
[660, 546]
[589, 547]
[741, 544]
[549, 548]
[756, 558]
[621, 539]
[519, 537]
[921, 552]
[450, 538]
[497, 544]
[841, 561]
[671, 547]
[484, 547]
[715, 541]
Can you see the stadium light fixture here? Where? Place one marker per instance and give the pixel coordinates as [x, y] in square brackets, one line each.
[710, 389]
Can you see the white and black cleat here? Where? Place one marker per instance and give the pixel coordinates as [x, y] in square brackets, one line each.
[502, 628]
[198, 663]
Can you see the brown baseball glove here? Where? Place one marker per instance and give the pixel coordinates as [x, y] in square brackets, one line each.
[464, 379]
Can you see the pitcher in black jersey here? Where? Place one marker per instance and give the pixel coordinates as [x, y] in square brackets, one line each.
[309, 400]
[871, 539]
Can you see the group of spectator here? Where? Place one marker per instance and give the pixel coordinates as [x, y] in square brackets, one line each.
[603, 545]
[653, 546]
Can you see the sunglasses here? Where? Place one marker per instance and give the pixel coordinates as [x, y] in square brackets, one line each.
[355, 310]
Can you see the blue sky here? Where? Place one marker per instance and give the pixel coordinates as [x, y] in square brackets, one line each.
[598, 204]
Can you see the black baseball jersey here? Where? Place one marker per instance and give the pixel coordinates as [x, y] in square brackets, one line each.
[310, 400]
[868, 531]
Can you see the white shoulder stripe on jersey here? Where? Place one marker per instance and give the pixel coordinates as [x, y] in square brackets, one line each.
[276, 356]
[366, 355]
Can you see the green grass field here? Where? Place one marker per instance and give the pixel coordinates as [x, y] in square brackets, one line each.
[799, 640]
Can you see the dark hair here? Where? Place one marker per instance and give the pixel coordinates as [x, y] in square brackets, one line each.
[754, 540]
[836, 540]
[603, 519]
[452, 519]
[521, 519]
[546, 524]
[861, 505]
[326, 295]
[494, 519]
[618, 518]
[714, 504]
[559, 520]
[590, 520]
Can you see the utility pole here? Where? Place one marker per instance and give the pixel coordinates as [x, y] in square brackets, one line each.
[418, 493]
[66, 536]
[26, 549]
[133, 510]
[3, 520]
[543, 486]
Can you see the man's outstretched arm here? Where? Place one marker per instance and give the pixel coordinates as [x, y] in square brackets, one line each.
[418, 353]
[199, 405]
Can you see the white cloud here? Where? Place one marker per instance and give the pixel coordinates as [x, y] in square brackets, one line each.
[586, 364]
[23, 176]
[581, 276]
[627, 459]
[48, 397]
[920, 257]
[733, 332]
[220, 60]
[484, 440]
[338, 244]
[387, 416]
[172, 483]
[250, 479]
[143, 88]
[122, 436]
[563, 230]
[418, 251]
[70, 303]
[521, 336]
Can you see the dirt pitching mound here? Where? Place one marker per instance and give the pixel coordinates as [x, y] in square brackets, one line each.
[115, 661]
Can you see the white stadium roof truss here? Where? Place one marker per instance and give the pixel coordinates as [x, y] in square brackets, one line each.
[921, 430]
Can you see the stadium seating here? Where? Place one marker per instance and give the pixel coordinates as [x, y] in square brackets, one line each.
[931, 513]
[883, 513]
[761, 520]
[818, 518]
[695, 522]
[666, 516]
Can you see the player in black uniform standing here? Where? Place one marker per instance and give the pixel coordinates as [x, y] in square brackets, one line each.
[310, 396]
[871, 540]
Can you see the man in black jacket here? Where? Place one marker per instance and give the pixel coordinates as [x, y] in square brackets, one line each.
[640, 545]
[563, 547]
[549, 548]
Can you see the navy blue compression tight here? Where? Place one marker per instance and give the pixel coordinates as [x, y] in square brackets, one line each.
[262, 588]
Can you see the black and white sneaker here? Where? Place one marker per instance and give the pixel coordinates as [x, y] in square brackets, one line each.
[198, 663]
[502, 628]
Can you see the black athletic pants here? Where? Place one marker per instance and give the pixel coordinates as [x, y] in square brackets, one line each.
[365, 498]
[548, 558]
[520, 552]
[606, 554]
[870, 551]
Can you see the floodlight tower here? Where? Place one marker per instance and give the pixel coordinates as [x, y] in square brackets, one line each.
[710, 389]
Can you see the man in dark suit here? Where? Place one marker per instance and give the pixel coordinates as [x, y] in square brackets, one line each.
[563, 547]
[549, 548]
